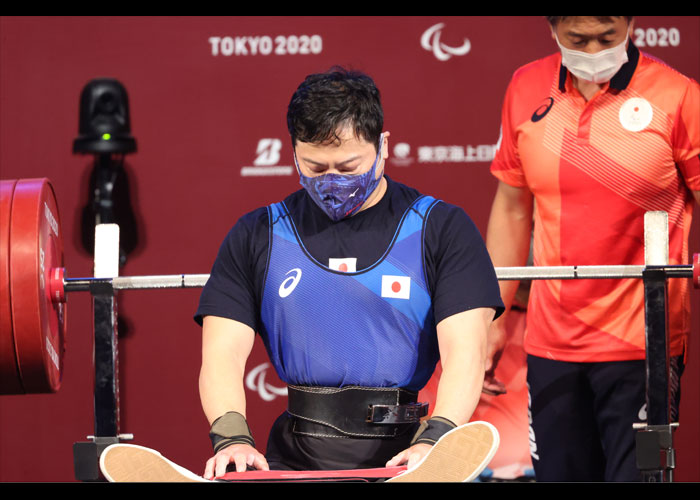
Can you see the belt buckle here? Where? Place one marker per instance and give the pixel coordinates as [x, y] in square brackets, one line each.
[396, 414]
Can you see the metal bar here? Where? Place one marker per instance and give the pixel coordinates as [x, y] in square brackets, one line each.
[136, 282]
[588, 272]
[502, 273]
[568, 272]
[166, 281]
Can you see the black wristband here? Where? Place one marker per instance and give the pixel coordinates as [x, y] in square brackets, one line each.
[432, 429]
[230, 428]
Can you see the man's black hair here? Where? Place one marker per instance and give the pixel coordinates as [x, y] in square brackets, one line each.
[554, 20]
[325, 103]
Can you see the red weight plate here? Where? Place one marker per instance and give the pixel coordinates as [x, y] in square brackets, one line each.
[10, 380]
[696, 270]
[36, 247]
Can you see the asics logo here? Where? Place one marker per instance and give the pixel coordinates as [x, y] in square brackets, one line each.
[542, 110]
[430, 40]
[531, 431]
[642, 415]
[290, 283]
[353, 193]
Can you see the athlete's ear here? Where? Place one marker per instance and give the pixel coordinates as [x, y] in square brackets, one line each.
[385, 145]
[630, 29]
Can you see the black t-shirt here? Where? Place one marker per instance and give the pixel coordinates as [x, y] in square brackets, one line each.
[459, 270]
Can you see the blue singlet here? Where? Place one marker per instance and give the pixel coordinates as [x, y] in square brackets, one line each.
[373, 328]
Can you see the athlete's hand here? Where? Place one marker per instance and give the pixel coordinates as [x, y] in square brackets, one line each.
[495, 345]
[242, 455]
[410, 456]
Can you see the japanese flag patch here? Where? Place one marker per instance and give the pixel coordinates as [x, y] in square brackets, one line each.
[396, 287]
[348, 265]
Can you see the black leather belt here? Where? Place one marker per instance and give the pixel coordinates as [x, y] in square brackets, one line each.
[354, 411]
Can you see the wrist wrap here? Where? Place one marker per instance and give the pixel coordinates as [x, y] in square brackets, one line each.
[431, 430]
[230, 428]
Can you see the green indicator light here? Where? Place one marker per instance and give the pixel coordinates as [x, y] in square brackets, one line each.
[106, 137]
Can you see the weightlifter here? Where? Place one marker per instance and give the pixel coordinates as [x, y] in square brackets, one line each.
[593, 136]
[357, 285]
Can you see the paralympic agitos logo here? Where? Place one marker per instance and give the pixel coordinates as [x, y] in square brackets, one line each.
[430, 41]
[543, 109]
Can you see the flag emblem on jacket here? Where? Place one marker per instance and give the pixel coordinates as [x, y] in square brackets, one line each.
[396, 287]
[347, 265]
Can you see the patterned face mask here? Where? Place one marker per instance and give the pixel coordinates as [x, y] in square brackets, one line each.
[339, 195]
[597, 68]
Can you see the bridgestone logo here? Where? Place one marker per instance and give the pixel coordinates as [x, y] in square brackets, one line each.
[265, 171]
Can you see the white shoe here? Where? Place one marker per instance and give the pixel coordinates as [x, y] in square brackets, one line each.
[460, 455]
[130, 463]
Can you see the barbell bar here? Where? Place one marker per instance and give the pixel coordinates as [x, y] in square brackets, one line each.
[33, 285]
[502, 273]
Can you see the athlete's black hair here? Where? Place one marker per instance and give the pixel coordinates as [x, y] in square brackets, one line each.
[554, 20]
[325, 103]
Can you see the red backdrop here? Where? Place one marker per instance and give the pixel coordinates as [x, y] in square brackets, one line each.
[208, 98]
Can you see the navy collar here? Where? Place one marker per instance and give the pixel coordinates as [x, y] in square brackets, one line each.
[622, 77]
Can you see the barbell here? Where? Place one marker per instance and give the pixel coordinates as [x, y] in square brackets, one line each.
[33, 285]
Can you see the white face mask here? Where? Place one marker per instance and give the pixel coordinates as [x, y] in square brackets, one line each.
[597, 68]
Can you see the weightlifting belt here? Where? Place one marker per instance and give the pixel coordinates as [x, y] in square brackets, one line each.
[353, 411]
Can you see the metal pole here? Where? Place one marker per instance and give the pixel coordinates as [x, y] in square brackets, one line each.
[106, 362]
[106, 365]
[655, 454]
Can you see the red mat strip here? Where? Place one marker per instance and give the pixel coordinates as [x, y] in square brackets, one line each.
[317, 475]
